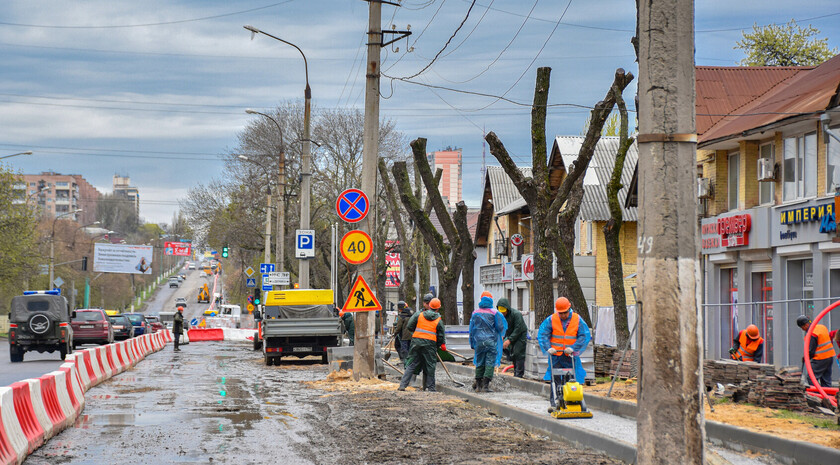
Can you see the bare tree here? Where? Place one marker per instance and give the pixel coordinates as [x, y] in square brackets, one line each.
[545, 202]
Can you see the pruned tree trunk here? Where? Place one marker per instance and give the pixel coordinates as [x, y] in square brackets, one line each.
[448, 254]
[612, 230]
[421, 249]
[407, 265]
[468, 264]
[545, 202]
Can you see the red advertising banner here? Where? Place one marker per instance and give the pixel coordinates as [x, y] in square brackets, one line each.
[182, 249]
[392, 262]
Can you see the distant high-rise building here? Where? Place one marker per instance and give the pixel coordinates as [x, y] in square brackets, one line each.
[450, 161]
[59, 194]
[123, 187]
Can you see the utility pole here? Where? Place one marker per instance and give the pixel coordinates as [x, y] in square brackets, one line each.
[365, 345]
[280, 241]
[306, 178]
[670, 418]
[267, 257]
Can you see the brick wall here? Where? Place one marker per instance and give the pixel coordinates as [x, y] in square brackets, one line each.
[603, 296]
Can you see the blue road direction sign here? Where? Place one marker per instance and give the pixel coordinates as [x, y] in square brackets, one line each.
[194, 322]
[266, 268]
[267, 287]
[251, 282]
[304, 243]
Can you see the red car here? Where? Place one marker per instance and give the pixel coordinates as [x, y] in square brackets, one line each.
[91, 326]
[154, 323]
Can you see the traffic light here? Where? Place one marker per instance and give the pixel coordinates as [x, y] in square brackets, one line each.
[225, 252]
[84, 263]
[257, 296]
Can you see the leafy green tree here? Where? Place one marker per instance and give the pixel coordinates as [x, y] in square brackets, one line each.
[784, 45]
[18, 239]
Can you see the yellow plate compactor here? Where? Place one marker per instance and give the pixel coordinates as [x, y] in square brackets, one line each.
[569, 395]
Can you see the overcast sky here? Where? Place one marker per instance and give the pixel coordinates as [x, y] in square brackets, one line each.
[157, 89]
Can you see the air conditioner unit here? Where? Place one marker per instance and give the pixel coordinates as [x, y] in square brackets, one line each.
[704, 188]
[766, 170]
[501, 247]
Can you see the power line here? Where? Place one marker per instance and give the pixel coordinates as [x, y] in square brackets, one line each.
[443, 2]
[181, 21]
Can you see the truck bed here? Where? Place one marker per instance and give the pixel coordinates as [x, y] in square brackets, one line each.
[290, 327]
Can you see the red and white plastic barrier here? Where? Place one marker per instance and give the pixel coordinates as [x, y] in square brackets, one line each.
[49, 394]
[13, 443]
[39, 408]
[102, 355]
[212, 334]
[74, 388]
[27, 420]
[63, 395]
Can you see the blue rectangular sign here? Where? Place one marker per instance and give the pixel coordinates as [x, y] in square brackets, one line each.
[266, 268]
[251, 282]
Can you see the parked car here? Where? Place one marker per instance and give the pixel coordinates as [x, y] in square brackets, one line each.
[138, 320]
[174, 282]
[154, 323]
[40, 321]
[123, 329]
[180, 302]
[191, 266]
[91, 326]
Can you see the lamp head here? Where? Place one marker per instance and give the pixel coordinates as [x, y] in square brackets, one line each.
[253, 30]
[251, 112]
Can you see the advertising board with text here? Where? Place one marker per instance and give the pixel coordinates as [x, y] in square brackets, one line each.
[122, 258]
[181, 249]
[392, 264]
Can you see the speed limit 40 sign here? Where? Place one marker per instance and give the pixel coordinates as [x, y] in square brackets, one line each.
[356, 247]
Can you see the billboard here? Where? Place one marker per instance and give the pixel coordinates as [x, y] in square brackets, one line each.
[181, 249]
[123, 258]
[392, 263]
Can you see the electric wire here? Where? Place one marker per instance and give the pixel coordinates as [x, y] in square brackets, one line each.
[443, 2]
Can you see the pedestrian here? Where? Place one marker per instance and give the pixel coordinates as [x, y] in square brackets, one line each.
[401, 335]
[487, 329]
[564, 336]
[427, 298]
[427, 334]
[515, 337]
[178, 326]
[349, 325]
[820, 351]
[749, 345]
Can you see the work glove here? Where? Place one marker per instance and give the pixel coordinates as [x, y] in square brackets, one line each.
[443, 346]
[552, 351]
[732, 350]
[568, 351]
[506, 344]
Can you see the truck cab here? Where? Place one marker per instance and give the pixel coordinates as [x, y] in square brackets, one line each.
[232, 312]
[299, 323]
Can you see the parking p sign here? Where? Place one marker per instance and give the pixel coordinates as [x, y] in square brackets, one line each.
[305, 243]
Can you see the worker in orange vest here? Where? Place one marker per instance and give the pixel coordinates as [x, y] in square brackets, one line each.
[564, 336]
[427, 335]
[821, 350]
[749, 345]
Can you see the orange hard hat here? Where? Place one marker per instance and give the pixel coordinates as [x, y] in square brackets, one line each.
[180, 308]
[752, 332]
[562, 304]
[435, 304]
[486, 294]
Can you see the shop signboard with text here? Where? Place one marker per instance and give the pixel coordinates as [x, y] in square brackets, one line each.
[740, 230]
[804, 223]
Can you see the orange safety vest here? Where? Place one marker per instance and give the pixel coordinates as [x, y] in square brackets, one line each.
[824, 347]
[747, 347]
[561, 339]
[426, 329]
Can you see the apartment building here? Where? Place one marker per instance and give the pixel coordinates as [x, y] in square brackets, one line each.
[451, 183]
[768, 164]
[122, 187]
[59, 194]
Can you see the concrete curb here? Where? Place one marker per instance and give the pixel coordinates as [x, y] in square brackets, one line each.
[731, 437]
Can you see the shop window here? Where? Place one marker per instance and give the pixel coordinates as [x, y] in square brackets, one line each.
[732, 187]
[800, 167]
[762, 310]
[728, 316]
[832, 162]
[766, 189]
[800, 290]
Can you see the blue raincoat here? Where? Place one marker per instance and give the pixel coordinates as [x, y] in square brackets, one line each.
[583, 338]
[487, 324]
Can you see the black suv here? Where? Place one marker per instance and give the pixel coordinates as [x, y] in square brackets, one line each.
[40, 320]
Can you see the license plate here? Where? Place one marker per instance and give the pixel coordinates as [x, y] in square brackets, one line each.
[301, 349]
[86, 326]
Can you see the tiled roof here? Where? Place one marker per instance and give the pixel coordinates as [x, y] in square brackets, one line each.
[809, 91]
[724, 89]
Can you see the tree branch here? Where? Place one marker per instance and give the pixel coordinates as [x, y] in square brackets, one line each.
[418, 148]
[524, 185]
[412, 206]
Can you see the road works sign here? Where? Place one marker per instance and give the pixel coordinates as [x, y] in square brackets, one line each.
[356, 247]
[352, 205]
[361, 298]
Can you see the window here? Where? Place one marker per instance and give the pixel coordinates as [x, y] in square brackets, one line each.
[734, 162]
[800, 167]
[765, 189]
[832, 162]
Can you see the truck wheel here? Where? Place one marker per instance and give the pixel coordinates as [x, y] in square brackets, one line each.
[257, 342]
[324, 359]
[268, 361]
[16, 355]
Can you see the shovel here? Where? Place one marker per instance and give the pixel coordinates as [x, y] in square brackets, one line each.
[466, 359]
[386, 362]
[449, 374]
[385, 348]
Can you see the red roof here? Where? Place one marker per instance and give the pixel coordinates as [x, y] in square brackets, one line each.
[807, 92]
[723, 89]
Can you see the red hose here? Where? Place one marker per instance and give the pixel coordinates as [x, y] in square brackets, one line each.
[507, 368]
[807, 347]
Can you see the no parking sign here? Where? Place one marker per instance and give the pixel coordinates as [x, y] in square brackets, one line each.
[352, 205]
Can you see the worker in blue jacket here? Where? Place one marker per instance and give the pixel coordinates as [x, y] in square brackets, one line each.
[564, 336]
[487, 331]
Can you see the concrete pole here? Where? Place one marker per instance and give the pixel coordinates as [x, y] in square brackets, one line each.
[306, 178]
[670, 418]
[281, 216]
[365, 346]
[267, 257]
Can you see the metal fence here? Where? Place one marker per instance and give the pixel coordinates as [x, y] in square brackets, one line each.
[776, 320]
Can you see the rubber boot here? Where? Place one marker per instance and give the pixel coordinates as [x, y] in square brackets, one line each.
[476, 384]
[487, 384]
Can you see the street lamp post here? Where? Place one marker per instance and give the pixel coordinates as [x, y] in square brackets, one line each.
[52, 243]
[280, 240]
[306, 158]
[267, 258]
[16, 154]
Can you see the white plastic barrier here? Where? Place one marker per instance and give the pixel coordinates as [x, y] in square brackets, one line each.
[64, 398]
[78, 392]
[101, 352]
[94, 362]
[39, 408]
[14, 433]
[115, 356]
[235, 334]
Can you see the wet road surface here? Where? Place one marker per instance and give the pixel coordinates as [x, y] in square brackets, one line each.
[218, 403]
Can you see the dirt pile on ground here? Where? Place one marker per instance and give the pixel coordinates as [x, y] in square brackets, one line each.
[622, 390]
[431, 428]
[342, 380]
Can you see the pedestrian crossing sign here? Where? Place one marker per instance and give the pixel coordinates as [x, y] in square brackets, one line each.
[361, 298]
